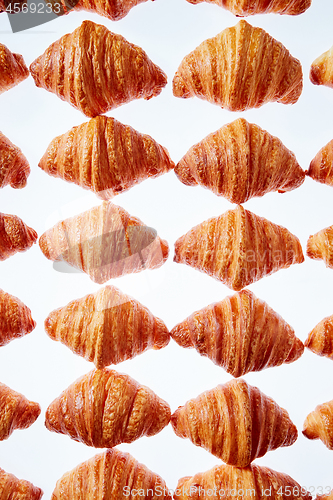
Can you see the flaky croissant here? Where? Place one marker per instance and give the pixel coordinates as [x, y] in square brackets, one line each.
[241, 333]
[238, 248]
[111, 9]
[239, 161]
[321, 167]
[12, 488]
[105, 156]
[96, 70]
[320, 339]
[16, 411]
[112, 474]
[105, 408]
[12, 69]
[242, 67]
[107, 327]
[235, 422]
[15, 236]
[321, 71]
[15, 318]
[14, 167]
[248, 8]
[319, 424]
[320, 246]
[105, 242]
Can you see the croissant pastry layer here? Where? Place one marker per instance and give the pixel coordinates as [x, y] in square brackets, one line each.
[114, 10]
[320, 246]
[14, 167]
[321, 71]
[320, 339]
[12, 68]
[12, 488]
[321, 167]
[319, 424]
[15, 236]
[248, 8]
[15, 318]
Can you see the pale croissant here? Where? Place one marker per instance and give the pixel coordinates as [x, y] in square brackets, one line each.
[15, 318]
[14, 167]
[12, 488]
[321, 167]
[95, 70]
[240, 484]
[320, 339]
[15, 236]
[105, 156]
[241, 333]
[105, 408]
[107, 327]
[111, 9]
[238, 248]
[235, 422]
[319, 424]
[242, 67]
[320, 246]
[16, 411]
[240, 161]
[105, 242]
[114, 475]
[12, 69]
[244, 8]
[321, 71]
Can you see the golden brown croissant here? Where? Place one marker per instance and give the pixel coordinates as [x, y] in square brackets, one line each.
[114, 475]
[96, 70]
[112, 9]
[14, 167]
[16, 411]
[12, 488]
[15, 318]
[105, 408]
[107, 327]
[320, 339]
[321, 167]
[12, 69]
[253, 481]
[319, 424]
[320, 246]
[241, 333]
[15, 236]
[241, 68]
[239, 161]
[105, 242]
[248, 8]
[238, 248]
[105, 156]
[321, 71]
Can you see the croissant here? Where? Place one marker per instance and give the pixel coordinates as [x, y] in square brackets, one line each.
[241, 333]
[16, 411]
[105, 408]
[107, 327]
[96, 70]
[320, 246]
[14, 167]
[105, 242]
[239, 161]
[320, 339]
[248, 8]
[15, 318]
[238, 248]
[321, 167]
[240, 484]
[243, 67]
[15, 236]
[319, 424]
[235, 422]
[105, 156]
[111, 474]
[12, 69]
[12, 488]
[111, 9]
[321, 71]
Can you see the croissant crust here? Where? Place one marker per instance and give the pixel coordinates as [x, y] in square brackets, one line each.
[320, 246]
[320, 339]
[12, 488]
[14, 167]
[15, 236]
[15, 318]
[248, 8]
[319, 424]
[321, 71]
[12, 68]
[114, 10]
[321, 167]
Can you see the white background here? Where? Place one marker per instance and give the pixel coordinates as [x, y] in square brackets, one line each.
[40, 368]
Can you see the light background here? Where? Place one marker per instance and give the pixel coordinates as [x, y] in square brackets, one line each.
[40, 368]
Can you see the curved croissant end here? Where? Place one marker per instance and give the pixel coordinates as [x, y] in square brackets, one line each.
[12, 69]
[320, 246]
[243, 8]
[320, 339]
[11, 487]
[319, 424]
[15, 236]
[321, 71]
[14, 167]
[321, 167]
[15, 318]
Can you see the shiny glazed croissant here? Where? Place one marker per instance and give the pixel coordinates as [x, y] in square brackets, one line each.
[319, 424]
[241, 333]
[15, 318]
[111, 9]
[238, 248]
[105, 408]
[107, 327]
[12, 488]
[321, 167]
[16, 411]
[235, 422]
[105, 242]
[12, 69]
[320, 246]
[105, 156]
[243, 67]
[15, 236]
[320, 339]
[96, 70]
[112, 474]
[321, 71]
[239, 161]
[248, 8]
[14, 167]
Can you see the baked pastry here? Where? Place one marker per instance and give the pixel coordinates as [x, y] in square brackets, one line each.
[321, 71]
[248, 8]
[252, 481]
[107, 327]
[12, 68]
[319, 424]
[320, 246]
[240, 161]
[235, 422]
[241, 333]
[238, 248]
[16, 412]
[111, 9]
[242, 67]
[105, 242]
[95, 70]
[12, 488]
[15, 236]
[320, 339]
[111, 474]
[105, 156]
[105, 408]
[15, 318]
[321, 167]
[14, 167]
